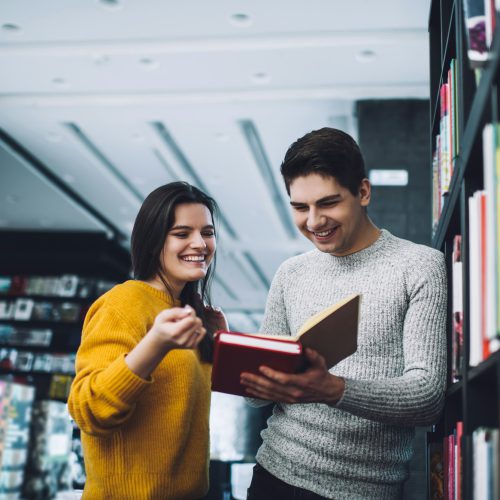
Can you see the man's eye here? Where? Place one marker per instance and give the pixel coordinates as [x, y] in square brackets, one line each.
[300, 208]
[329, 203]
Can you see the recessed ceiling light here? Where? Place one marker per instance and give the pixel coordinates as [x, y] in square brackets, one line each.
[110, 4]
[100, 59]
[222, 137]
[11, 28]
[12, 199]
[366, 55]
[137, 137]
[68, 178]
[241, 20]
[53, 137]
[148, 63]
[60, 82]
[261, 78]
[46, 222]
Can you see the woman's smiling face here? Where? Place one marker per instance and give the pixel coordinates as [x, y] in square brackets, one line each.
[189, 247]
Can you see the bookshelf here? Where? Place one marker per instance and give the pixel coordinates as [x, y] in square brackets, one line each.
[47, 282]
[465, 159]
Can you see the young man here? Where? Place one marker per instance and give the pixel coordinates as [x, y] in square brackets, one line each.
[347, 433]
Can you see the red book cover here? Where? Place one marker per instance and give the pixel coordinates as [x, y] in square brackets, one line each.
[235, 353]
[451, 467]
[18, 285]
[332, 332]
[483, 239]
[446, 469]
[458, 472]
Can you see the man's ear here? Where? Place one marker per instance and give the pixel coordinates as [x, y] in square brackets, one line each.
[365, 192]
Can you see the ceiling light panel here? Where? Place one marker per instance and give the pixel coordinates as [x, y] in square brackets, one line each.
[127, 143]
[31, 202]
[66, 22]
[70, 157]
[71, 70]
[230, 174]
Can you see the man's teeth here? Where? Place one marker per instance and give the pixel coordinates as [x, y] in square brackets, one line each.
[194, 258]
[324, 233]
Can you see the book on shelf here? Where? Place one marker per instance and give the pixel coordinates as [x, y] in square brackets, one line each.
[475, 32]
[435, 472]
[24, 309]
[457, 339]
[16, 401]
[333, 332]
[48, 464]
[446, 142]
[485, 462]
[13, 335]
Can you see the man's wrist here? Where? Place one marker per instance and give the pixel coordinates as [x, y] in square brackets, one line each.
[337, 390]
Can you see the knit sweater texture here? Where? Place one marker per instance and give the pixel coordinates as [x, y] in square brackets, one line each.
[142, 439]
[360, 448]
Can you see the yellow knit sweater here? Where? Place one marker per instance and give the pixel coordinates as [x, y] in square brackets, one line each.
[141, 439]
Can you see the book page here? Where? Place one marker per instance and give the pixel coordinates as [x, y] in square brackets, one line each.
[314, 320]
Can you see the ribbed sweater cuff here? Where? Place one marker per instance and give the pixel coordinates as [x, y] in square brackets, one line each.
[349, 398]
[121, 380]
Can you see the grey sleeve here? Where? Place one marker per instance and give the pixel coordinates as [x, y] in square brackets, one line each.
[417, 396]
[275, 321]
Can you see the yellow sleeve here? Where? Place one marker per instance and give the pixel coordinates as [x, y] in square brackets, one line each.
[104, 392]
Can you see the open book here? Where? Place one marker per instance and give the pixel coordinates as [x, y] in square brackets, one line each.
[333, 332]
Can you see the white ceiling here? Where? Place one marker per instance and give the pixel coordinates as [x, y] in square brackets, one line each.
[115, 97]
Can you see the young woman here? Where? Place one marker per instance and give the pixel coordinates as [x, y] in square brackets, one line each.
[141, 394]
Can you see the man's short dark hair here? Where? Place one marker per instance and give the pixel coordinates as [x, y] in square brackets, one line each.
[328, 152]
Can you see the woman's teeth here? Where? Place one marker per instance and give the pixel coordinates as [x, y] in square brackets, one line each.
[199, 258]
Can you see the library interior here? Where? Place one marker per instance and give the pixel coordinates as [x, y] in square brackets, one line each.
[104, 101]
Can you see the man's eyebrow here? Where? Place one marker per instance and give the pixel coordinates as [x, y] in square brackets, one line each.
[332, 197]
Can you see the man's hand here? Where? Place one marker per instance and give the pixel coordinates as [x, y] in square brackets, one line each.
[315, 385]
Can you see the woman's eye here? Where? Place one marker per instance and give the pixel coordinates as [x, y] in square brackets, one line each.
[181, 235]
[208, 233]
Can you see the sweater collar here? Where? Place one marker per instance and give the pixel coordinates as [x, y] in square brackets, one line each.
[163, 296]
[374, 249]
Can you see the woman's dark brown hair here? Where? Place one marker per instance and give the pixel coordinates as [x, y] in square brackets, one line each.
[152, 224]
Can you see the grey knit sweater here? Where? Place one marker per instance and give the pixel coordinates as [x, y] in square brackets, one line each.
[360, 449]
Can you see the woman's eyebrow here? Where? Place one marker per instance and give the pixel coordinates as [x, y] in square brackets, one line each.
[208, 226]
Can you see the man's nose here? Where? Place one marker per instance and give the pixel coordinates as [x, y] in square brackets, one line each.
[315, 220]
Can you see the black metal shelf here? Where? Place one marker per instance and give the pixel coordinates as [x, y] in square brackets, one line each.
[475, 399]
[454, 388]
[476, 372]
[472, 132]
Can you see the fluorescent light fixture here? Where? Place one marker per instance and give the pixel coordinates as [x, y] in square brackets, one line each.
[81, 137]
[260, 156]
[186, 166]
[386, 177]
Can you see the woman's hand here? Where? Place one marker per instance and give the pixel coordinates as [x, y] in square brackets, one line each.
[216, 318]
[178, 328]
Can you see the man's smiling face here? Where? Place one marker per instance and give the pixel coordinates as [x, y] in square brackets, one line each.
[329, 215]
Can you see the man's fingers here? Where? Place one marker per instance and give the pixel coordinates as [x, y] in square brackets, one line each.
[315, 358]
[280, 377]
